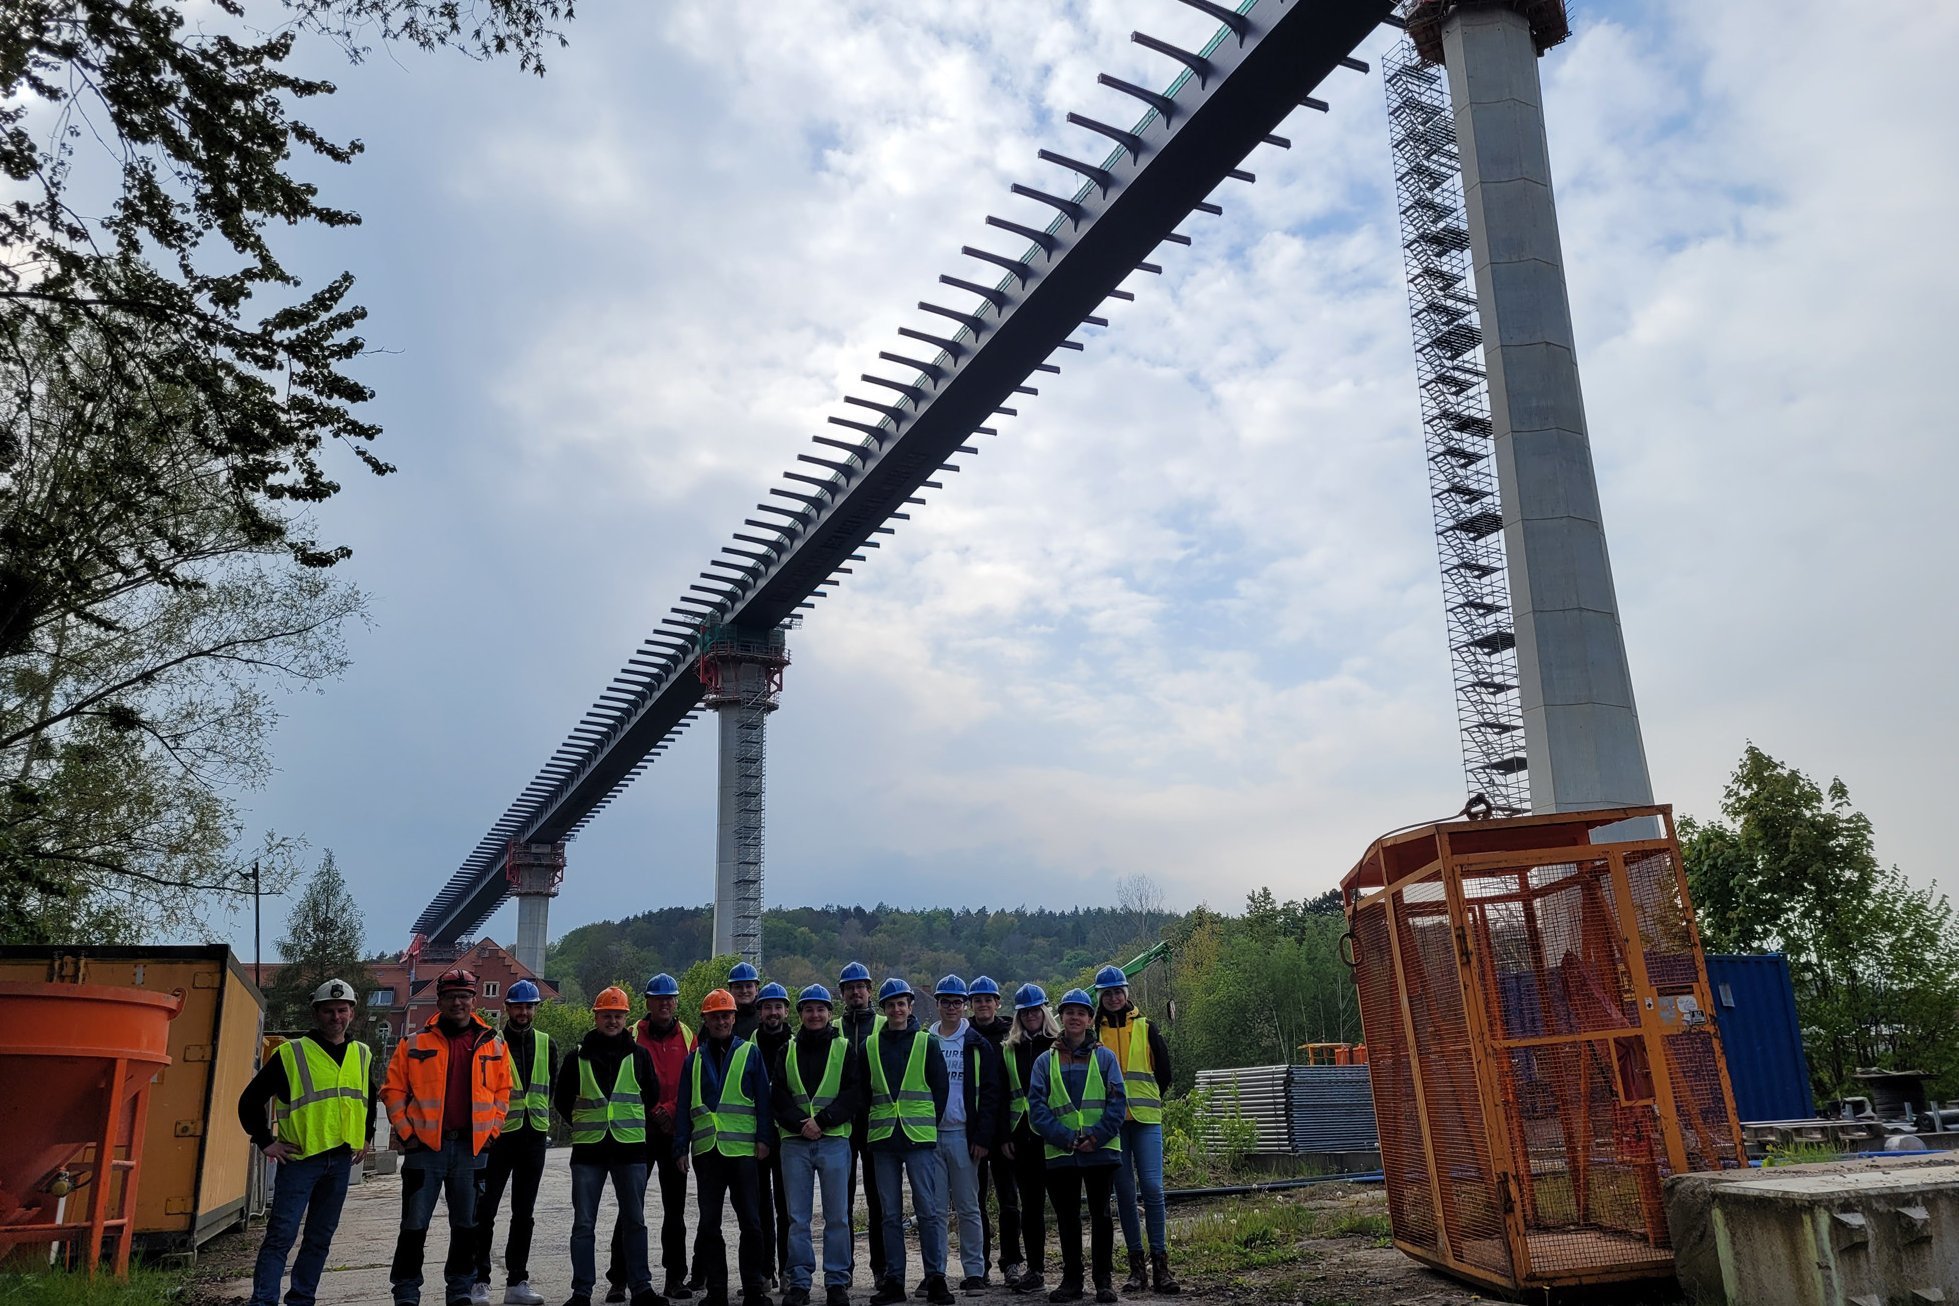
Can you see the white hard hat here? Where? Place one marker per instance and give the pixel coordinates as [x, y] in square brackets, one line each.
[334, 990]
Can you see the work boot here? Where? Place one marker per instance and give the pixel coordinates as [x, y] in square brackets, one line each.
[919, 1292]
[677, 1289]
[1070, 1288]
[1160, 1281]
[1139, 1273]
[936, 1292]
[796, 1297]
[890, 1290]
[522, 1294]
[616, 1293]
[1105, 1294]
[973, 1283]
[837, 1295]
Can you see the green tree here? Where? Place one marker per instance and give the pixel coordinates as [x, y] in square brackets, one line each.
[325, 939]
[1791, 866]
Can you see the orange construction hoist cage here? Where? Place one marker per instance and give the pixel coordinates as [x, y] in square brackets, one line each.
[1539, 1041]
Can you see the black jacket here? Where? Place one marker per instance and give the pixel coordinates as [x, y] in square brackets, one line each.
[985, 1088]
[1025, 1053]
[270, 1083]
[605, 1054]
[812, 1053]
[746, 1021]
[895, 1051]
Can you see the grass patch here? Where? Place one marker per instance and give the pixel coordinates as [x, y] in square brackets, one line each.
[1800, 1154]
[1255, 1233]
[143, 1287]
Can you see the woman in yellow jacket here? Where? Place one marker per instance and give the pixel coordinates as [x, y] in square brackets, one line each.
[446, 1093]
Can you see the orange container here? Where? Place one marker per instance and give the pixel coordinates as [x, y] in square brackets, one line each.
[76, 1062]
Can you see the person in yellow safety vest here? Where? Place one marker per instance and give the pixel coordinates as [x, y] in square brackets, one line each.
[517, 1157]
[817, 1079]
[447, 1090]
[905, 1072]
[858, 1019]
[667, 1039]
[1076, 1103]
[320, 1086]
[725, 1127]
[1145, 1061]
[603, 1091]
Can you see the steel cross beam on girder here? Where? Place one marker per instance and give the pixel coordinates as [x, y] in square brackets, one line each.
[1257, 71]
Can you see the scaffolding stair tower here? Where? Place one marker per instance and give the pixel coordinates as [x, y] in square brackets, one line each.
[1456, 427]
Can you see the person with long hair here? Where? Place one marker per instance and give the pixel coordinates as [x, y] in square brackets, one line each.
[1075, 1100]
[1034, 1031]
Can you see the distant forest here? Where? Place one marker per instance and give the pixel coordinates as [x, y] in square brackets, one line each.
[807, 945]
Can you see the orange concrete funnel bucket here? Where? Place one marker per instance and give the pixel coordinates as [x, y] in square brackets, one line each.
[76, 1061]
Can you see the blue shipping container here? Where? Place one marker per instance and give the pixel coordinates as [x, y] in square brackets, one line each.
[1755, 1009]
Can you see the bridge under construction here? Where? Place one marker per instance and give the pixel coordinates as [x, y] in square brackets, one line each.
[1544, 696]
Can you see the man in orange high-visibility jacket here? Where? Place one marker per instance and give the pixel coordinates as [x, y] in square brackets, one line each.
[447, 1090]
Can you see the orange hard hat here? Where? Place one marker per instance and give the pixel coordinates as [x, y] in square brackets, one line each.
[612, 999]
[717, 1000]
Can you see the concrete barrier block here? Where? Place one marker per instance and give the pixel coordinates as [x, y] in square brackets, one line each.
[1851, 1233]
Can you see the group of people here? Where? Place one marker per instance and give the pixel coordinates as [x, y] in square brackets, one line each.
[1042, 1108]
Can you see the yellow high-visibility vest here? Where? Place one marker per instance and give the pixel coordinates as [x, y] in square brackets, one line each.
[729, 1127]
[1084, 1114]
[1131, 1044]
[619, 1113]
[530, 1104]
[826, 1091]
[911, 1106]
[326, 1104]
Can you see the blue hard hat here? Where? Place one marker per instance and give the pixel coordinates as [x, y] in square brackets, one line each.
[772, 992]
[893, 988]
[814, 993]
[1076, 998]
[854, 971]
[742, 972]
[521, 991]
[984, 984]
[1110, 977]
[663, 985]
[1029, 996]
[951, 987]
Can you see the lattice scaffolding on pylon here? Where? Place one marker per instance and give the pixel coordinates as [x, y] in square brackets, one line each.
[741, 672]
[1456, 427]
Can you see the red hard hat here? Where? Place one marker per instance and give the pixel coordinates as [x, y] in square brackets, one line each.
[455, 981]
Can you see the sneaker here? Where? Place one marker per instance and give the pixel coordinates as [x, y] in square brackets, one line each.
[1029, 1282]
[479, 1294]
[937, 1293]
[677, 1290]
[1010, 1273]
[973, 1283]
[891, 1290]
[616, 1293]
[522, 1294]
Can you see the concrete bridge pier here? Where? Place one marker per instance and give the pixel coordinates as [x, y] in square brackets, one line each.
[535, 871]
[741, 670]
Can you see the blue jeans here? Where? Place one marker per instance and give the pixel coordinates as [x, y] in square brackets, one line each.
[1142, 1164]
[427, 1174]
[315, 1188]
[629, 1187]
[927, 1174]
[962, 1191]
[805, 1162]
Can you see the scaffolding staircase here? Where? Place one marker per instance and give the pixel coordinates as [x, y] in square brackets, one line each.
[1456, 427]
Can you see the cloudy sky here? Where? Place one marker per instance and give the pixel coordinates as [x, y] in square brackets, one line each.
[1182, 616]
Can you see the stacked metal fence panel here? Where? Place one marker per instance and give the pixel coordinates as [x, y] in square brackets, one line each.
[1297, 1109]
[1332, 1109]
